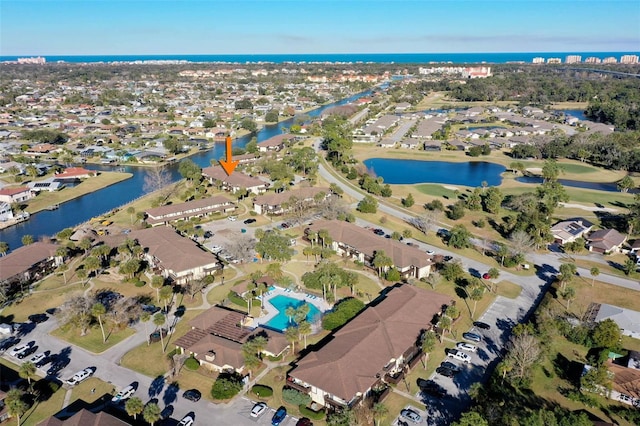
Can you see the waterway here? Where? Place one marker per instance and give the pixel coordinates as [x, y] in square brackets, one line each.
[77, 211]
[406, 172]
[596, 186]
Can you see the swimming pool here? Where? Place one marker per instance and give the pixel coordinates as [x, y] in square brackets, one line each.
[281, 321]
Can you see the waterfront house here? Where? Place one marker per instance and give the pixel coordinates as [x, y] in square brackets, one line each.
[276, 143]
[276, 203]
[184, 211]
[16, 195]
[5, 211]
[234, 182]
[360, 244]
[375, 348]
[173, 256]
[217, 335]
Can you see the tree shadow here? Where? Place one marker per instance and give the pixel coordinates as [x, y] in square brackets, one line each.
[156, 386]
[171, 393]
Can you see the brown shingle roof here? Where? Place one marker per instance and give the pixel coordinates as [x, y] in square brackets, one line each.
[195, 207]
[23, 258]
[367, 242]
[357, 353]
[85, 418]
[275, 199]
[236, 179]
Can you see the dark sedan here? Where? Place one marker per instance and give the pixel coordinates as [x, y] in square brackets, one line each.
[38, 318]
[193, 395]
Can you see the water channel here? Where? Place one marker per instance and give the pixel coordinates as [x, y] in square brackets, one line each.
[74, 212]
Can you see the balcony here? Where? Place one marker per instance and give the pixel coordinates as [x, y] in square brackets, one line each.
[297, 386]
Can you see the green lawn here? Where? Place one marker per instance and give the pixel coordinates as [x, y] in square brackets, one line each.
[92, 341]
[40, 301]
[41, 410]
[508, 289]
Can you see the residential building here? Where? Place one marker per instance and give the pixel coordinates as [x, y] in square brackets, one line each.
[85, 417]
[568, 231]
[235, 182]
[276, 143]
[359, 244]
[476, 72]
[183, 211]
[605, 241]
[217, 335]
[162, 244]
[276, 203]
[629, 59]
[374, 348]
[16, 195]
[6, 213]
[573, 59]
[28, 263]
[628, 320]
[626, 379]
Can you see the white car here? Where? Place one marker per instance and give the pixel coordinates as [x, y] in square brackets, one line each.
[258, 409]
[80, 376]
[232, 218]
[124, 394]
[459, 355]
[186, 421]
[37, 357]
[466, 347]
[431, 252]
[15, 351]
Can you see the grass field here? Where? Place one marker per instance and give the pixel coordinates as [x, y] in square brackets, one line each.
[92, 341]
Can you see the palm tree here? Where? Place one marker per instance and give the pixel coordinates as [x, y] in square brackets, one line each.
[16, 406]
[568, 294]
[307, 251]
[595, 271]
[157, 282]
[381, 261]
[290, 312]
[379, 411]
[158, 320]
[27, 239]
[151, 413]
[476, 294]
[145, 317]
[475, 391]
[134, 406]
[4, 248]
[428, 345]
[323, 234]
[291, 334]
[28, 371]
[91, 264]
[444, 323]
[98, 310]
[304, 328]
[166, 293]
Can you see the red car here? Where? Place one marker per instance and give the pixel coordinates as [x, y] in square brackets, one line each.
[486, 276]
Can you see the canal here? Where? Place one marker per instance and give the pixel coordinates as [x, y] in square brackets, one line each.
[74, 212]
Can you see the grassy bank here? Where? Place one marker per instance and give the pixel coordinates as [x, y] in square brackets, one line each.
[46, 199]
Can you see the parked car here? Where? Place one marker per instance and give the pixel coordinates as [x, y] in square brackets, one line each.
[432, 388]
[46, 360]
[459, 355]
[450, 366]
[38, 318]
[466, 346]
[248, 221]
[486, 276]
[186, 420]
[124, 394]
[378, 231]
[37, 358]
[447, 258]
[232, 218]
[304, 422]
[16, 350]
[431, 252]
[284, 225]
[80, 376]
[473, 337]
[29, 351]
[193, 395]
[443, 233]
[446, 372]
[152, 309]
[279, 416]
[57, 364]
[258, 409]
[482, 325]
[411, 415]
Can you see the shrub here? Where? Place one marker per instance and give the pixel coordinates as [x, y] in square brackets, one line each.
[342, 312]
[226, 387]
[140, 283]
[192, 364]
[262, 391]
[309, 413]
[295, 397]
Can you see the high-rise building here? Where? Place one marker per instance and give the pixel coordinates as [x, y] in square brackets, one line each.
[538, 60]
[573, 59]
[610, 60]
[554, 61]
[629, 59]
[592, 60]
[38, 60]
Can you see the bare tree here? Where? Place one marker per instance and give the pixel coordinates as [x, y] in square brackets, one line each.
[242, 247]
[426, 221]
[521, 242]
[524, 352]
[332, 207]
[157, 179]
[76, 312]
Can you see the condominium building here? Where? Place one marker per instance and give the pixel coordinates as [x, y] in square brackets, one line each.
[573, 59]
[554, 61]
[629, 59]
[538, 60]
[592, 60]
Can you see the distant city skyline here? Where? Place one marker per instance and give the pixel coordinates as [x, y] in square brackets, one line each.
[156, 27]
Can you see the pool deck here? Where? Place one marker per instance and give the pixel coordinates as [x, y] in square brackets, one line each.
[271, 311]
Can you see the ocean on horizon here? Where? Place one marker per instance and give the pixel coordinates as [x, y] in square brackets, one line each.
[396, 58]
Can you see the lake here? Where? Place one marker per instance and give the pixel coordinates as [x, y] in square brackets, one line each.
[405, 172]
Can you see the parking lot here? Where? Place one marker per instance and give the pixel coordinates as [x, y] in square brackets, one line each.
[246, 405]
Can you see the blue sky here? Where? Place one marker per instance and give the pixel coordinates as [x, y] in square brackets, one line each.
[103, 27]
